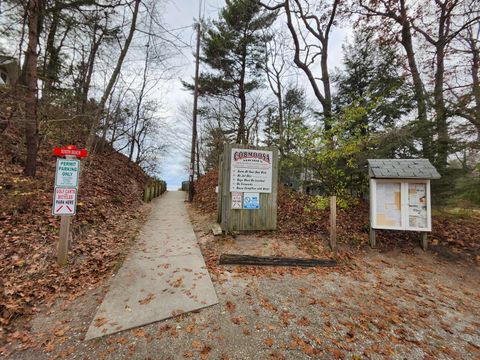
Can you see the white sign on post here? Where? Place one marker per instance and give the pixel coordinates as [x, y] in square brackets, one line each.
[251, 171]
[64, 201]
[67, 173]
[236, 200]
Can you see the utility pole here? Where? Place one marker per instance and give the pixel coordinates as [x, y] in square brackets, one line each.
[195, 110]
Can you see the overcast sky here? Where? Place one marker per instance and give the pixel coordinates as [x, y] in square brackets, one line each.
[181, 13]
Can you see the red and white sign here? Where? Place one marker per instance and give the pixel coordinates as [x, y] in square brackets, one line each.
[64, 201]
[70, 150]
[251, 171]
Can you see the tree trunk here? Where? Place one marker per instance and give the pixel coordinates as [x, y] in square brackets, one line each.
[198, 159]
[327, 105]
[35, 10]
[98, 114]
[51, 56]
[424, 128]
[281, 118]
[140, 99]
[241, 138]
[88, 76]
[476, 92]
[441, 112]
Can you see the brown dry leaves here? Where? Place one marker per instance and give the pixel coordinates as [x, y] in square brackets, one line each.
[147, 300]
[100, 322]
[106, 219]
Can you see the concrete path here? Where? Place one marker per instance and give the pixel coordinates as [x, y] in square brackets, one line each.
[164, 274]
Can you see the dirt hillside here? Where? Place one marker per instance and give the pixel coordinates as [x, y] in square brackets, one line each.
[299, 220]
[108, 215]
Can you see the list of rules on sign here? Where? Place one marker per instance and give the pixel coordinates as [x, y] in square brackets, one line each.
[251, 171]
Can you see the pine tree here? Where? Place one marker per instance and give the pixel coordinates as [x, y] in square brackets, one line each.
[233, 50]
[372, 80]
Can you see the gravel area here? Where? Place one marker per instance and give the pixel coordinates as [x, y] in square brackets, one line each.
[373, 306]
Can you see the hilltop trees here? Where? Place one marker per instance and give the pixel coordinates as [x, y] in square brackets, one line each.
[233, 52]
[76, 73]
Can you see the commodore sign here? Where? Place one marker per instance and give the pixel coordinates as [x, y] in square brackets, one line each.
[251, 171]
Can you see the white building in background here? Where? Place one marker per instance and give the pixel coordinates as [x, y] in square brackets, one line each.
[9, 70]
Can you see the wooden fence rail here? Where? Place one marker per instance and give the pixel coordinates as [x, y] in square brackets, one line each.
[154, 189]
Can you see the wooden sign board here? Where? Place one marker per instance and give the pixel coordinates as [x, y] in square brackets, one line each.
[247, 183]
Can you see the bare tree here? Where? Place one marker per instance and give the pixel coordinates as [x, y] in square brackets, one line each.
[438, 25]
[34, 10]
[113, 78]
[306, 20]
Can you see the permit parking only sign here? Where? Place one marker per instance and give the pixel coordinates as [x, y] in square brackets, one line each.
[64, 201]
[67, 173]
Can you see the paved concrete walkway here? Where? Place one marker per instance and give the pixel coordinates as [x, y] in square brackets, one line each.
[164, 274]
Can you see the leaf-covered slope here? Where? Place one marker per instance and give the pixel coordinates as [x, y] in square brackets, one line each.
[108, 212]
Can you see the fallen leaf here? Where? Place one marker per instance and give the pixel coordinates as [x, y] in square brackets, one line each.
[197, 345]
[100, 322]
[230, 306]
[147, 300]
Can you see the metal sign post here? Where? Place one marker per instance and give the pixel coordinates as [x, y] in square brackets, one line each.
[65, 194]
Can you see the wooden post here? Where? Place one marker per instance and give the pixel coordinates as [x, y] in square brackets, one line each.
[333, 222]
[145, 193]
[424, 241]
[62, 246]
[373, 240]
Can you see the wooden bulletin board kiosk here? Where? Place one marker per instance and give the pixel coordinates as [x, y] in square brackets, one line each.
[247, 188]
[400, 196]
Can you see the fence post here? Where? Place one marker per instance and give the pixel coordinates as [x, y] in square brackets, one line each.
[62, 245]
[145, 193]
[333, 222]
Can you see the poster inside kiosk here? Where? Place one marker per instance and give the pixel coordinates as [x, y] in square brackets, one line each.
[401, 204]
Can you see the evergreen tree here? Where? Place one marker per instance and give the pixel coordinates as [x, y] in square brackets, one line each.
[372, 80]
[288, 136]
[233, 50]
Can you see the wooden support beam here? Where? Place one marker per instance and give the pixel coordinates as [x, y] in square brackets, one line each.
[145, 193]
[373, 240]
[424, 241]
[232, 259]
[62, 245]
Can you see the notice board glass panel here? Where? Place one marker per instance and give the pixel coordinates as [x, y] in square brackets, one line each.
[417, 205]
[388, 204]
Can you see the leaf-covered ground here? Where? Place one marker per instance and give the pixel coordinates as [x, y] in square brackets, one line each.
[109, 213]
[453, 237]
[375, 305]
[393, 302]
